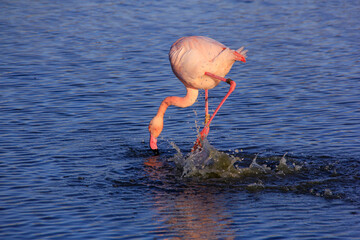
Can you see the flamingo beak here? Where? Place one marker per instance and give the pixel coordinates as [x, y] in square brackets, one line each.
[153, 145]
[239, 57]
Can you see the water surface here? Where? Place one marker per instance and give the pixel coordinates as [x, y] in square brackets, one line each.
[80, 81]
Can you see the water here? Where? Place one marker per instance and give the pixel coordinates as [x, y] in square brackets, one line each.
[80, 81]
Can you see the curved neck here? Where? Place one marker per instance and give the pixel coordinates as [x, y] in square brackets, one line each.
[182, 102]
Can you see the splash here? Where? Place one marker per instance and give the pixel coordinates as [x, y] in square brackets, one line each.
[320, 177]
[208, 162]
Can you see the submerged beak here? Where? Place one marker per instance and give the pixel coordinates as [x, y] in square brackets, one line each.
[239, 57]
[153, 145]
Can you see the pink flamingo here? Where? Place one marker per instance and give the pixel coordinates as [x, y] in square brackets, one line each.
[199, 63]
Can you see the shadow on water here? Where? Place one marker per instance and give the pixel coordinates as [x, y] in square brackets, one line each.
[196, 212]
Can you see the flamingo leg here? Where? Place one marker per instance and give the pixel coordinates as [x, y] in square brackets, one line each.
[207, 115]
[205, 130]
[206, 103]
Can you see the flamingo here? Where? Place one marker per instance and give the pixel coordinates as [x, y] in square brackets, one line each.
[199, 63]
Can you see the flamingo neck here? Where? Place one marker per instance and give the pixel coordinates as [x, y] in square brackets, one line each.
[182, 102]
[156, 124]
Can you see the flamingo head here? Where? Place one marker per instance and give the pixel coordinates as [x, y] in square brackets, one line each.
[153, 145]
[155, 128]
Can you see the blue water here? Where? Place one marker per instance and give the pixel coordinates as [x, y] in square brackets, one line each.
[80, 81]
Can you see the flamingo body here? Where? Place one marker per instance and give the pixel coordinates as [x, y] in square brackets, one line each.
[199, 63]
[191, 57]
